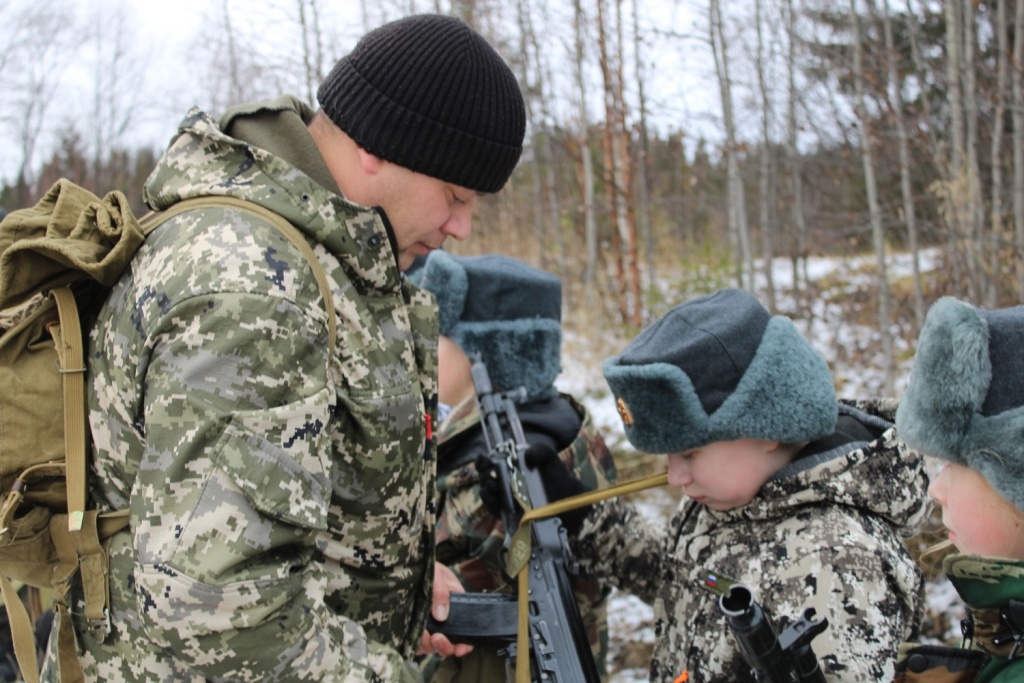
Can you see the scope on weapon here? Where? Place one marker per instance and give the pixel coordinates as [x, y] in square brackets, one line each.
[772, 658]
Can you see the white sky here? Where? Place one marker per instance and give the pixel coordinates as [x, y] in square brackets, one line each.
[681, 91]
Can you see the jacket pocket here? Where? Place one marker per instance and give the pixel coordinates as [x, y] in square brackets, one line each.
[278, 460]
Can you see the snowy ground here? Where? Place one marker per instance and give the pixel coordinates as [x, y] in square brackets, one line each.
[844, 346]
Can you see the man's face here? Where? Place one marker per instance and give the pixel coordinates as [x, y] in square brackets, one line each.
[423, 211]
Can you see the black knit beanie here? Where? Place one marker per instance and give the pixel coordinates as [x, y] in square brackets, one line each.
[427, 92]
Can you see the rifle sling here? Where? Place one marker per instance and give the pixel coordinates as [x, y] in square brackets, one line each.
[551, 510]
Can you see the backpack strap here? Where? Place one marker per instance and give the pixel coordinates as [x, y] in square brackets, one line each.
[151, 220]
[22, 634]
[67, 339]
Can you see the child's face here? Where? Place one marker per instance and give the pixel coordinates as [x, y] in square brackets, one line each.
[726, 474]
[980, 521]
[454, 372]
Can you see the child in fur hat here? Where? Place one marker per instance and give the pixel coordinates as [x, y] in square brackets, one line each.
[510, 314]
[965, 405]
[802, 498]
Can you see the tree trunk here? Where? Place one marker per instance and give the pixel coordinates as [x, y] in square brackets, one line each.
[736, 207]
[532, 91]
[906, 188]
[643, 177]
[1018, 143]
[957, 173]
[1002, 43]
[765, 167]
[611, 174]
[624, 181]
[795, 180]
[884, 317]
[975, 205]
[587, 180]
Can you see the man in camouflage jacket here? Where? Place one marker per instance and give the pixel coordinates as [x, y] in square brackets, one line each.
[281, 492]
[823, 530]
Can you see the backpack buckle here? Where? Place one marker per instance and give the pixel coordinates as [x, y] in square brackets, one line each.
[100, 628]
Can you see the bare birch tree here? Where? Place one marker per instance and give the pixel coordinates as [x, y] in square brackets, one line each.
[975, 204]
[587, 164]
[896, 106]
[626, 216]
[118, 70]
[736, 208]
[996, 213]
[313, 60]
[796, 185]
[765, 170]
[643, 177]
[955, 193]
[874, 209]
[618, 184]
[610, 173]
[1018, 142]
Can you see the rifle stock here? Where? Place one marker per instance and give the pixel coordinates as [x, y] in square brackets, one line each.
[557, 637]
[772, 658]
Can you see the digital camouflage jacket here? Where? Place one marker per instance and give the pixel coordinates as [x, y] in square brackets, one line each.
[281, 496]
[469, 538]
[993, 591]
[826, 532]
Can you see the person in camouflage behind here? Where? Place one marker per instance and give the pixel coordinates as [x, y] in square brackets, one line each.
[281, 493]
[510, 314]
[965, 406]
[802, 498]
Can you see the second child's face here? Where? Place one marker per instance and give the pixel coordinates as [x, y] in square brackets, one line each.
[979, 520]
[725, 475]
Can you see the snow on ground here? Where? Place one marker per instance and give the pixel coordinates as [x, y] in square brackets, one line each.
[844, 346]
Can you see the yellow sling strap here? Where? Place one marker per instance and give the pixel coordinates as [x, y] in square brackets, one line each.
[520, 548]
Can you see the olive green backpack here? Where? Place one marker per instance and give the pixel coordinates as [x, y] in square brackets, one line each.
[58, 261]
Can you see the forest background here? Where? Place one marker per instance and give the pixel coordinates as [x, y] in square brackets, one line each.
[850, 161]
[674, 146]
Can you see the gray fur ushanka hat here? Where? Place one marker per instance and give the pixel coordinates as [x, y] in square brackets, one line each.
[508, 312]
[721, 368]
[965, 400]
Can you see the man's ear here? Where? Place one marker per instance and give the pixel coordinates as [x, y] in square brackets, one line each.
[371, 163]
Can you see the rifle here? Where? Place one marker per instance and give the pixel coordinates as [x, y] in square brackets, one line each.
[772, 659]
[557, 638]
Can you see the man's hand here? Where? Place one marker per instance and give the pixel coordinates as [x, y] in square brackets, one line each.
[445, 583]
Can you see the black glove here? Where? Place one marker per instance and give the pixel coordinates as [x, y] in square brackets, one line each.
[559, 483]
[490, 489]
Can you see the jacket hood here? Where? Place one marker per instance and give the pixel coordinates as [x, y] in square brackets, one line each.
[202, 160]
[881, 477]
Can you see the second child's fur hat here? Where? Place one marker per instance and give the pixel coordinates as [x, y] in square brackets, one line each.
[505, 310]
[965, 400]
[721, 368]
